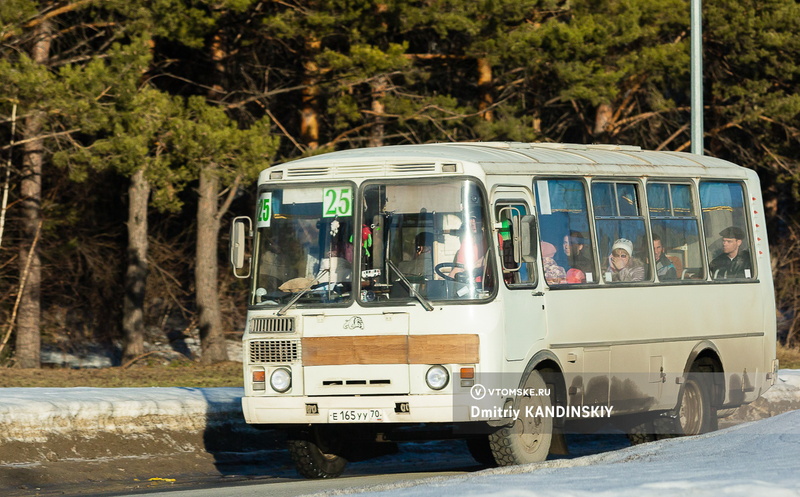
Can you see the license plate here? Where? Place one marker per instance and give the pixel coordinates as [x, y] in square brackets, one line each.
[355, 416]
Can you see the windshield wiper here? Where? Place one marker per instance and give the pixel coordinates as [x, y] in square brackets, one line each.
[422, 300]
[302, 292]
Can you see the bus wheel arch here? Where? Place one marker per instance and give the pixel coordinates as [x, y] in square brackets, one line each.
[530, 439]
[706, 358]
[549, 366]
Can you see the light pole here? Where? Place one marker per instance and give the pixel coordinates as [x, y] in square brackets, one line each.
[696, 56]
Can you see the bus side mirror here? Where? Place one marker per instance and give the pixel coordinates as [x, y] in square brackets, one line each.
[527, 237]
[241, 228]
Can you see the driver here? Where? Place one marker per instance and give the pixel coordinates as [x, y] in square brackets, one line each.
[422, 263]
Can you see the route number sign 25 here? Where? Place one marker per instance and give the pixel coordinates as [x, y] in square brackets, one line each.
[264, 210]
[337, 201]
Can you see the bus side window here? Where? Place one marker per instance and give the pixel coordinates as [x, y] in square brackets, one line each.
[675, 232]
[726, 230]
[621, 235]
[564, 226]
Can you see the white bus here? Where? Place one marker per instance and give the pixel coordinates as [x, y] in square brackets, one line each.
[501, 293]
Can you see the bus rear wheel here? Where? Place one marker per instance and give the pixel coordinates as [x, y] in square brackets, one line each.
[696, 414]
[527, 439]
[316, 454]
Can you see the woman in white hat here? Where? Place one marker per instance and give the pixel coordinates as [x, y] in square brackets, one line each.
[621, 264]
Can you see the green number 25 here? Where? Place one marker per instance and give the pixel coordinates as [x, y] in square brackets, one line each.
[337, 202]
[264, 211]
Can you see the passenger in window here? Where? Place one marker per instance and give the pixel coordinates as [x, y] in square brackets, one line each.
[553, 273]
[733, 262]
[422, 262]
[621, 264]
[664, 267]
[574, 247]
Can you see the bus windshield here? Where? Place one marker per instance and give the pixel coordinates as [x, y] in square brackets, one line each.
[426, 241]
[304, 246]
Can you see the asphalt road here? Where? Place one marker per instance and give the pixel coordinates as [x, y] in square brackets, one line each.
[414, 461]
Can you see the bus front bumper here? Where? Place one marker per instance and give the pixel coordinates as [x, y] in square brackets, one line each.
[344, 409]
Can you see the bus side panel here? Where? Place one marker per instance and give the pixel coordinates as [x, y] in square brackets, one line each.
[653, 330]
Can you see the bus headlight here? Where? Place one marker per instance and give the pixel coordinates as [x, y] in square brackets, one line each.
[281, 380]
[437, 377]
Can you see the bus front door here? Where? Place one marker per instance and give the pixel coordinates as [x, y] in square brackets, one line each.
[523, 302]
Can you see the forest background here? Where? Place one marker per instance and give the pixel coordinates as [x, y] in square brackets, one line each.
[131, 131]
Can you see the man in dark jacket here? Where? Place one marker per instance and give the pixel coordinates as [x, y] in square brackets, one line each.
[733, 262]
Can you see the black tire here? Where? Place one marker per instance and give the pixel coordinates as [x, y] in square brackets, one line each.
[527, 439]
[316, 456]
[696, 413]
[654, 429]
[639, 435]
[480, 450]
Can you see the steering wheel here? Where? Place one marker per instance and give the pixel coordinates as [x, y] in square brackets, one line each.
[461, 276]
[438, 268]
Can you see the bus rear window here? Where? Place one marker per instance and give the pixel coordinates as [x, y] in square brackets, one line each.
[726, 230]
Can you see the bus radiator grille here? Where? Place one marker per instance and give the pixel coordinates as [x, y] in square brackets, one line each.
[271, 325]
[274, 351]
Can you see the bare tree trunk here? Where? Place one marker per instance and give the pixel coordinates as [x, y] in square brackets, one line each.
[136, 273]
[28, 341]
[603, 121]
[378, 128]
[485, 89]
[309, 114]
[133, 326]
[6, 184]
[212, 339]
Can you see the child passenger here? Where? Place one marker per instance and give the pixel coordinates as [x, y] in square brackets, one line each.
[553, 273]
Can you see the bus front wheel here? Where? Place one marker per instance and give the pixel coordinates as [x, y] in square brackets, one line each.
[316, 454]
[526, 439]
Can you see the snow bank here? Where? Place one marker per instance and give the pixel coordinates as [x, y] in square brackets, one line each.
[784, 396]
[56, 423]
[31, 414]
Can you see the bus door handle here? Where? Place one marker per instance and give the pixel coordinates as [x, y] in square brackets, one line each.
[538, 294]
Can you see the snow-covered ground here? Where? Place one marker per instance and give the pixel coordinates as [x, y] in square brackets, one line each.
[758, 458]
[753, 459]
